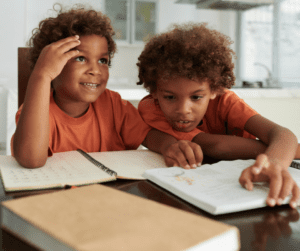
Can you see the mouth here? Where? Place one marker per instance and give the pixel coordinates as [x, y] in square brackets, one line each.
[91, 85]
[181, 124]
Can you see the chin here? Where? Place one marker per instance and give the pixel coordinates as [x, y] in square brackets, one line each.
[183, 129]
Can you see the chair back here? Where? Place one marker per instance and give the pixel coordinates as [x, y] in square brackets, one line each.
[23, 73]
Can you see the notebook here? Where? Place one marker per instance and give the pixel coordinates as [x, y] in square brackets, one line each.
[77, 168]
[99, 218]
[215, 188]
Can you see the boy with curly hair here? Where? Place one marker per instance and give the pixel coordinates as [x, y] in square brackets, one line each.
[188, 72]
[72, 53]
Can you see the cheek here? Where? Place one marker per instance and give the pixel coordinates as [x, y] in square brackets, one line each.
[166, 108]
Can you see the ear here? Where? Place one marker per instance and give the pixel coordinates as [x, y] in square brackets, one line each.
[154, 95]
[213, 95]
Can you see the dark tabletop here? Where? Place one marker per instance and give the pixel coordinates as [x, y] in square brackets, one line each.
[273, 229]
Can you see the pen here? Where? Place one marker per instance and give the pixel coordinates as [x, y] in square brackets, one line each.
[295, 164]
[97, 163]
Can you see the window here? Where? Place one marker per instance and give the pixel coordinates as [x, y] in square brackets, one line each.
[134, 21]
[271, 42]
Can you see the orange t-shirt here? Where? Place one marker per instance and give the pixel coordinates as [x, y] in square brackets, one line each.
[110, 124]
[226, 114]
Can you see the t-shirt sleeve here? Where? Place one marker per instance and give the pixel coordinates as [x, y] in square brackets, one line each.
[154, 117]
[235, 111]
[129, 123]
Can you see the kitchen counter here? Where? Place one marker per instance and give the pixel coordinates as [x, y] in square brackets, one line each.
[281, 106]
[139, 93]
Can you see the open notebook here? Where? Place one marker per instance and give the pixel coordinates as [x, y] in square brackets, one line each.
[215, 188]
[78, 168]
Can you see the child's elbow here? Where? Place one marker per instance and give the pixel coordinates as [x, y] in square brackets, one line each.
[30, 161]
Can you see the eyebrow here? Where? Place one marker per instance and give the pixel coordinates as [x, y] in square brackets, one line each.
[199, 90]
[103, 54]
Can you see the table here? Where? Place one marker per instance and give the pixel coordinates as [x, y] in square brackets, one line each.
[261, 229]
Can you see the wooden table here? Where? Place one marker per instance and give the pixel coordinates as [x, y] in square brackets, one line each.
[261, 229]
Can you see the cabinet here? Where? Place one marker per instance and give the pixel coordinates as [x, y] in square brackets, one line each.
[134, 21]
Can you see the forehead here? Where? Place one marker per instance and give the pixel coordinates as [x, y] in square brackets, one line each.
[93, 43]
[179, 84]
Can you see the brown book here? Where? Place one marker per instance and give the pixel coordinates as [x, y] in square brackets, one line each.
[97, 217]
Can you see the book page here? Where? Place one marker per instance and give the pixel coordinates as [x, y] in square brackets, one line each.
[68, 168]
[214, 188]
[130, 164]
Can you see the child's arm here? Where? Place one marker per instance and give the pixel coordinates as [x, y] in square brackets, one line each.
[176, 153]
[228, 147]
[31, 139]
[272, 166]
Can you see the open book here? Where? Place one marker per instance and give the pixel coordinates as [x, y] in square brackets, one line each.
[98, 218]
[78, 168]
[215, 188]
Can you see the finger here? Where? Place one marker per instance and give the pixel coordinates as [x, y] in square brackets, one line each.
[171, 162]
[188, 152]
[287, 186]
[69, 46]
[246, 179]
[275, 187]
[262, 161]
[295, 196]
[71, 54]
[198, 154]
[180, 158]
[64, 41]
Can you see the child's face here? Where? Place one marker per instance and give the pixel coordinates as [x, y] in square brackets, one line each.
[183, 101]
[84, 77]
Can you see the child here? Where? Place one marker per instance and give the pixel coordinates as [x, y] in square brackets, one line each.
[72, 53]
[188, 72]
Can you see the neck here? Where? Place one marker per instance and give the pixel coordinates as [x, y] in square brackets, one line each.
[73, 109]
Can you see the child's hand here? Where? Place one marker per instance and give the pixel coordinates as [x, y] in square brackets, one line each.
[54, 57]
[183, 153]
[281, 182]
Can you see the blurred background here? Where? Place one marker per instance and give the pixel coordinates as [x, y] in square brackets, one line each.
[266, 35]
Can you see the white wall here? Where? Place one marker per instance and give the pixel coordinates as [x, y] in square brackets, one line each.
[19, 17]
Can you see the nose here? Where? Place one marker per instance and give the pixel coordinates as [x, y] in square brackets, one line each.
[184, 107]
[94, 68]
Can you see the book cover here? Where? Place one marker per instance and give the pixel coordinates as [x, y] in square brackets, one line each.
[97, 217]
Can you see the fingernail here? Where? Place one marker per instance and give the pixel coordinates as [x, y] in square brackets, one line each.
[293, 204]
[199, 164]
[279, 202]
[272, 202]
[187, 167]
[246, 186]
[256, 170]
[194, 166]
[76, 36]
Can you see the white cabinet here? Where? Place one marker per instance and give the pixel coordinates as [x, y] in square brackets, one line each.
[134, 21]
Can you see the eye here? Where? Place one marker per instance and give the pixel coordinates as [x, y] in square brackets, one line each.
[196, 97]
[169, 97]
[80, 59]
[103, 61]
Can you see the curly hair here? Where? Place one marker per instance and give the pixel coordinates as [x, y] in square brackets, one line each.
[191, 51]
[78, 20]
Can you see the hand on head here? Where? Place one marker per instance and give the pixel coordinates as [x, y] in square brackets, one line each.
[54, 57]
